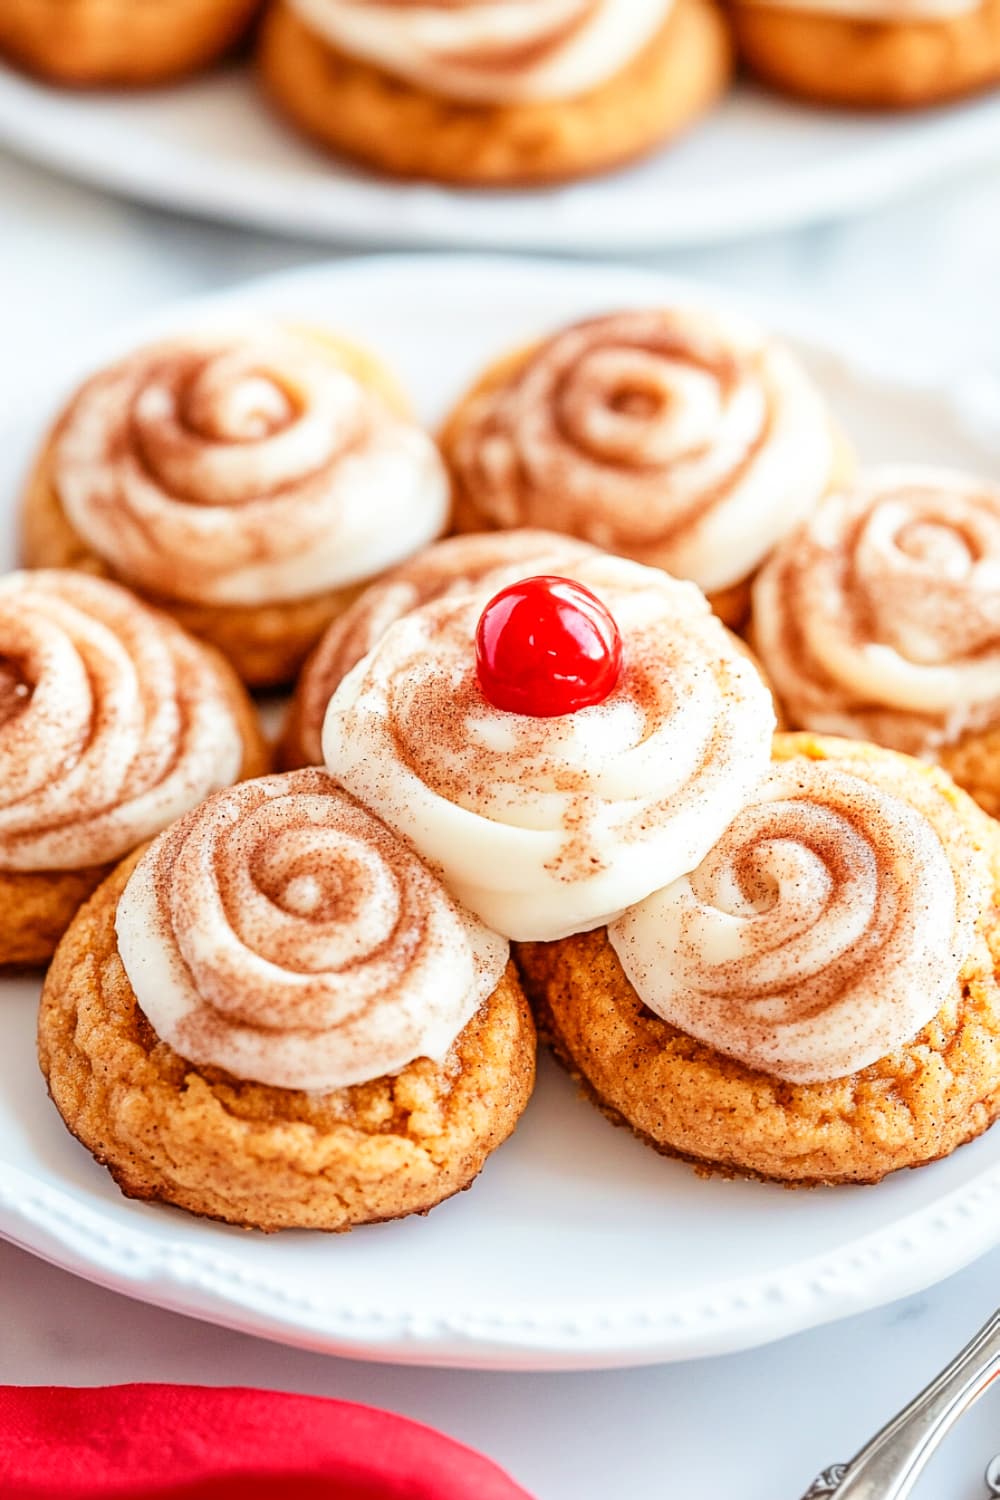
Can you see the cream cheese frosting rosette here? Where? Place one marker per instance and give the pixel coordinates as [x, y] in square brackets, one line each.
[879, 618]
[113, 722]
[684, 439]
[491, 51]
[545, 826]
[281, 932]
[275, 1015]
[485, 562]
[236, 472]
[244, 469]
[818, 999]
[822, 932]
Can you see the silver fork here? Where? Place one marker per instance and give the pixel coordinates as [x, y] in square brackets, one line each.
[889, 1466]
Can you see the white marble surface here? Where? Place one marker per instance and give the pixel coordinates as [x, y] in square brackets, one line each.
[921, 282]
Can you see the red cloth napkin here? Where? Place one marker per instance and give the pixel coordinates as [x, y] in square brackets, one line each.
[198, 1443]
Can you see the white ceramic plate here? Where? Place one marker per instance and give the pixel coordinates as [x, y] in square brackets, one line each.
[759, 163]
[578, 1247]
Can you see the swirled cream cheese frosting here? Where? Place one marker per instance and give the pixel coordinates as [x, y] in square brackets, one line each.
[548, 826]
[676, 437]
[879, 618]
[113, 722]
[824, 929]
[244, 468]
[491, 51]
[483, 562]
[282, 933]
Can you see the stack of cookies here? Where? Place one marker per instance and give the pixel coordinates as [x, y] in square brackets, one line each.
[504, 92]
[529, 776]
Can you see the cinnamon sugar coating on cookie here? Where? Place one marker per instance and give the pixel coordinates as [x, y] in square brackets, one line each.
[281, 932]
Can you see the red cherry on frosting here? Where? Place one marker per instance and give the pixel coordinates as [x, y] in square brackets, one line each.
[547, 646]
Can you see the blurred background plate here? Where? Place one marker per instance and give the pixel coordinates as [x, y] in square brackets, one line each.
[579, 1247]
[760, 163]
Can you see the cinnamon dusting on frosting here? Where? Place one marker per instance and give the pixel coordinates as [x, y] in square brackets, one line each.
[282, 933]
[547, 826]
[682, 440]
[826, 927]
[112, 722]
[243, 468]
[15, 693]
[879, 618]
[481, 563]
[491, 51]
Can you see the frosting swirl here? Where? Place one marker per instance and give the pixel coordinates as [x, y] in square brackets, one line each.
[243, 469]
[282, 933]
[491, 51]
[825, 928]
[547, 826]
[113, 722]
[880, 617]
[674, 437]
[482, 562]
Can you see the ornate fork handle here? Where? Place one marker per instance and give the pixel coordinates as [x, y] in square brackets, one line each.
[888, 1467]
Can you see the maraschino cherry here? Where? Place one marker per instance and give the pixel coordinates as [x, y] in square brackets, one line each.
[547, 646]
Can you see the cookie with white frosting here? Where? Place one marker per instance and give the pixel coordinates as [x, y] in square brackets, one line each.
[879, 618]
[682, 437]
[479, 563]
[113, 722]
[249, 479]
[276, 1015]
[494, 91]
[818, 1000]
[560, 751]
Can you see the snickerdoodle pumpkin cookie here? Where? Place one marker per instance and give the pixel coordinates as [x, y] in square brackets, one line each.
[818, 1001]
[875, 54]
[276, 1016]
[560, 750]
[457, 565]
[113, 722]
[682, 438]
[879, 618]
[249, 480]
[133, 42]
[497, 94]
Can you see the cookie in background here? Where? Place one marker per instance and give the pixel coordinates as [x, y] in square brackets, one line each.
[872, 54]
[494, 95]
[105, 43]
